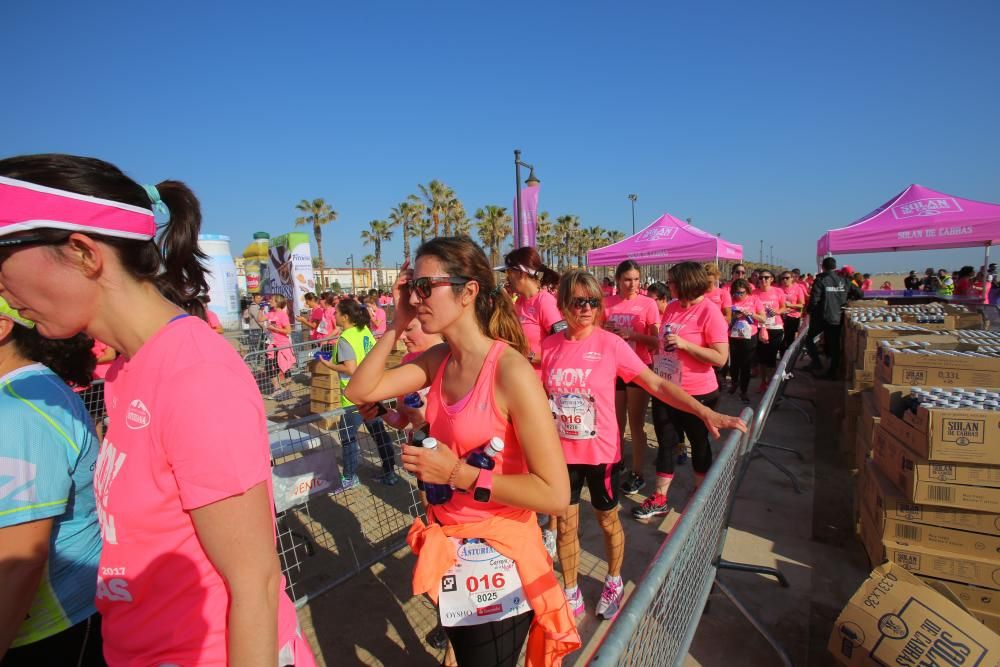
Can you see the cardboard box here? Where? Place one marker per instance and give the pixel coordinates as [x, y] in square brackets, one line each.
[862, 445]
[326, 381]
[317, 368]
[317, 407]
[867, 354]
[960, 542]
[324, 394]
[860, 379]
[923, 482]
[903, 367]
[871, 540]
[894, 619]
[965, 568]
[975, 598]
[883, 501]
[991, 621]
[969, 437]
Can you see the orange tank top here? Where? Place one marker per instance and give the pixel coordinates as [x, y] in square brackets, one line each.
[467, 426]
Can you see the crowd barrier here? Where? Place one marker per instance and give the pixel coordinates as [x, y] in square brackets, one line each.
[659, 620]
[285, 392]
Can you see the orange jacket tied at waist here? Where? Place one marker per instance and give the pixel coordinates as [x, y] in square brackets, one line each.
[553, 631]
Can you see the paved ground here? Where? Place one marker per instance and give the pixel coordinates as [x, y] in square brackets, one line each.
[373, 619]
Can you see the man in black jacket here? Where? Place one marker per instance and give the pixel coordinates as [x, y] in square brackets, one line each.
[827, 298]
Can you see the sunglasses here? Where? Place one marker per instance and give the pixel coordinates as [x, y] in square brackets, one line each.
[786, 277]
[740, 293]
[423, 287]
[579, 302]
[767, 277]
[9, 245]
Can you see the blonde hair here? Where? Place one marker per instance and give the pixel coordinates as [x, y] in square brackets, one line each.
[577, 278]
[712, 269]
[279, 301]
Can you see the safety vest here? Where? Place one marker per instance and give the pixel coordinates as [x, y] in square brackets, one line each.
[947, 287]
[361, 341]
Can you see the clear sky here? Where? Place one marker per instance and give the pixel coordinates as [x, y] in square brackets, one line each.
[760, 120]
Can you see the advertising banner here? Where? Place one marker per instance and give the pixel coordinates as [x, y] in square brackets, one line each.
[289, 269]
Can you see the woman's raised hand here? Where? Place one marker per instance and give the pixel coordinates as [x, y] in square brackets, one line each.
[401, 297]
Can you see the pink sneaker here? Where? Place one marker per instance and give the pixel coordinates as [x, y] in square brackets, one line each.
[575, 602]
[611, 599]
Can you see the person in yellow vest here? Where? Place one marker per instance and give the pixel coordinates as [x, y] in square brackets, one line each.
[356, 340]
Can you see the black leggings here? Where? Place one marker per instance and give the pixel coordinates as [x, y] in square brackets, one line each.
[498, 643]
[741, 356]
[791, 329]
[78, 645]
[667, 421]
[767, 353]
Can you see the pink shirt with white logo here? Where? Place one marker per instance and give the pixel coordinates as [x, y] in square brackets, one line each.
[793, 295]
[186, 429]
[703, 325]
[318, 315]
[579, 379]
[720, 297]
[637, 314]
[774, 299]
[748, 305]
[279, 318]
[537, 315]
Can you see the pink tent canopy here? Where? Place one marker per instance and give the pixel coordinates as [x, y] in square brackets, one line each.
[667, 240]
[918, 218]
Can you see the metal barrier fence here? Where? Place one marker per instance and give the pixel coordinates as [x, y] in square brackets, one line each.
[286, 390]
[658, 622]
[326, 532]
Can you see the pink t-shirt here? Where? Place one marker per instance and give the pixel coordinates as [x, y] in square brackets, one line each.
[318, 315]
[720, 297]
[378, 321]
[793, 295]
[774, 299]
[186, 428]
[579, 379]
[100, 370]
[703, 325]
[636, 314]
[748, 305]
[330, 314]
[537, 315]
[279, 318]
[212, 319]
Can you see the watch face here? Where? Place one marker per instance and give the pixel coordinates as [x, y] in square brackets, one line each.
[482, 495]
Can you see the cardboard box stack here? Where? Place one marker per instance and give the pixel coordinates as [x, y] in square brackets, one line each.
[324, 392]
[927, 446]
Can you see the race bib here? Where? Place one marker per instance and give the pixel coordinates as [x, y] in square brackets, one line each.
[772, 322]
[322, 327]
[575, 415]
[668, 367]
[741, 329]
[481, 587]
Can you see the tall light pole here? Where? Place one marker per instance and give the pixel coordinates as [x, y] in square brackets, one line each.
[772, 255]
[531, 180]
[350, 260]
[633, 197]
[762, 251]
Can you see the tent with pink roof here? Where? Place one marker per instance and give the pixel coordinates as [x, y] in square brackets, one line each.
[918, 218]
[666, 241]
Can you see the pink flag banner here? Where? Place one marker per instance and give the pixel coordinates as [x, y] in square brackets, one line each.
[528, 220]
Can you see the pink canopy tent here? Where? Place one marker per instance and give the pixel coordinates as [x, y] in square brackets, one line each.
[667, 240]
[918, 218]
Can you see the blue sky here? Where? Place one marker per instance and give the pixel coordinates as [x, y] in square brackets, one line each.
[766, 120]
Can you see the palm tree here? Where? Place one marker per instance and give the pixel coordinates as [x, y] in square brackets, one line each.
[378, 231]
[436, 195]
[566, 230]
[544, 238]
[455, 219]
[406, 215]
[369, 262]
[494, 228]
[317, 213]
[614, 236]
[593, 238]
[422, 228]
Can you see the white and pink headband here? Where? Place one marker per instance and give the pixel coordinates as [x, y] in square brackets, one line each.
[25, 206]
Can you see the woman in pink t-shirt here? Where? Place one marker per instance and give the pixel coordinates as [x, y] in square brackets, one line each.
[773, 301]
[636, 320]
[189, 573]
[695, 341]
[377, 315]
[280, 357]
[481, 386]
[716, 294]
[748, 314]
[312, 321]
[579, 369]
[795, 303]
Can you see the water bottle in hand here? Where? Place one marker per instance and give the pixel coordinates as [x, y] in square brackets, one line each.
[437, 494]
[413, 400]
[484, 457]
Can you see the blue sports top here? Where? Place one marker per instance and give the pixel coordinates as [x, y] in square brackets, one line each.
[47, 457]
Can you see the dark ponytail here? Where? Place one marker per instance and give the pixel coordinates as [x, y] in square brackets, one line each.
[529, 258]
[175, 265]
[69, 358]
[356, 312]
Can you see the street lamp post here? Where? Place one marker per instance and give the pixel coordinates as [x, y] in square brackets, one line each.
[632, 198]
[350, 260]
[772, 255]
[532, 179]
[762, 251]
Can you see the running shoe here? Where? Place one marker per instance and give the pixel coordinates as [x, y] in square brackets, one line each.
[389, 478]
[349, 482]
[654, 505]
[549, 538]
[575, 602]
[633, 483]
[611, 599]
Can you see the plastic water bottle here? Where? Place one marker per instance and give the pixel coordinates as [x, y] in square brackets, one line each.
[667, 330]
[417, 437]
[322, 354]
[437, 494]
[413, 400]
[484, 456]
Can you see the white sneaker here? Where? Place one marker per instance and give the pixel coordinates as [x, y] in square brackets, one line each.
[549, 538]
[611, 599]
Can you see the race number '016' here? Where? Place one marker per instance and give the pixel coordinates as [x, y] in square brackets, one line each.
[481, 587]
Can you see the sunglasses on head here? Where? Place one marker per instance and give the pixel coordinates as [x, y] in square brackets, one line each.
[8, 245]
[423, 287]
[579, 302]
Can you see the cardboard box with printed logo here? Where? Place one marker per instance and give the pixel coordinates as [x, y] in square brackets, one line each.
[909, 368]
[964, 568]
[868, 346]
[924, 482]
[973, 598]
[949, 435]
[894, 619]
[959, 542]
[326, 381]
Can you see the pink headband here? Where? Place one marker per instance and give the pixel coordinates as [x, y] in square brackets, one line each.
[25, 206]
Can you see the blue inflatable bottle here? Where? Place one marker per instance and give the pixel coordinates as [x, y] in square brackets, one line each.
[322, 354]
[484, 456]
[413, 400]
[437, 494]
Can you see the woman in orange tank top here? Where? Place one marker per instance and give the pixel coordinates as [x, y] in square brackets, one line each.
[482, 557]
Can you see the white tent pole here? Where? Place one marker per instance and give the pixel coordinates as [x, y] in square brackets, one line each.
[986, 267]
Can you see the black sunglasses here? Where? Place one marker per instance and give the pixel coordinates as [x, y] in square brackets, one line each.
[579, 302]
[767, 277]
[740, 293]
[8, 245]
[424, 286]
